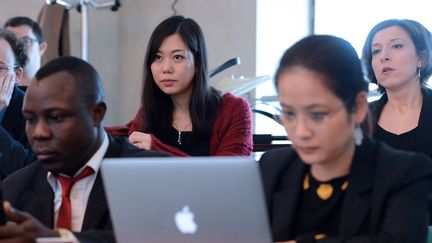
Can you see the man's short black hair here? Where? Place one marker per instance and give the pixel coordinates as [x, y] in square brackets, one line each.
[20, 20]
[83, 73]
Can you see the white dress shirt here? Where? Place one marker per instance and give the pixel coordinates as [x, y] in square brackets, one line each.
[80, 191]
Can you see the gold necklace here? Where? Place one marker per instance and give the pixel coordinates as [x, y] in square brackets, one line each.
[179, 140]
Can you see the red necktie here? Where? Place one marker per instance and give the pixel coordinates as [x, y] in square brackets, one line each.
[64, 219]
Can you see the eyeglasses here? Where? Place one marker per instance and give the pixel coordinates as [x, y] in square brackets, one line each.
[4, 69]
[28, 41]
[312, 119]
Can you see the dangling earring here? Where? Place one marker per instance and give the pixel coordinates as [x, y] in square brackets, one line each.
[358, 135]
[418, 72]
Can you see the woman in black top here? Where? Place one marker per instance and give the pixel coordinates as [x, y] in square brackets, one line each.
[335, 184]
[397, 56]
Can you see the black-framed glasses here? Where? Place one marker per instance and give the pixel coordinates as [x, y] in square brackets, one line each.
[28, 41]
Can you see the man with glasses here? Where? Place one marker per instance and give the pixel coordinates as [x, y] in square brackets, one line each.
[13, 57]
[30, 34]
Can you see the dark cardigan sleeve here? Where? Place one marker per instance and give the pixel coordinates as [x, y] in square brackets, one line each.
[125, 130]
[232, 131]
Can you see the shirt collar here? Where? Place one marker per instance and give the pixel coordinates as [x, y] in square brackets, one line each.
[96, 160]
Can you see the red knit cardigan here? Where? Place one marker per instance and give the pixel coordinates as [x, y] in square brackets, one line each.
[231, 133]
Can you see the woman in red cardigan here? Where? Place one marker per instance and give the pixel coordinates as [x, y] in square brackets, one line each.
[180, 113]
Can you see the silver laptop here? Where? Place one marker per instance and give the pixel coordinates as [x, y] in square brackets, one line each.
[198, 199]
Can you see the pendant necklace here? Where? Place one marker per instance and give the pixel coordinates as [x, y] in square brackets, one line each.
[179, 141]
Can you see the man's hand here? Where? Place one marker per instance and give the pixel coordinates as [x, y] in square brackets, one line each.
[23, 227]
[7, 83]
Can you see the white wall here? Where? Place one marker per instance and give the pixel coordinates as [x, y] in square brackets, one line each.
[117, 40]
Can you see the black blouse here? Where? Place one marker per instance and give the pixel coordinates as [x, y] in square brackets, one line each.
[197, 147]
[403, 141]
[319, 216]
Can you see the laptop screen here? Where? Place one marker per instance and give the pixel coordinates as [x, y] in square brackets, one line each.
[198, 199]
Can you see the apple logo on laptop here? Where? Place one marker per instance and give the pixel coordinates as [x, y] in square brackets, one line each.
[184, 221]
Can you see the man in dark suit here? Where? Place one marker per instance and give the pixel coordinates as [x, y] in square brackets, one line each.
[64, 109]
[13, 57]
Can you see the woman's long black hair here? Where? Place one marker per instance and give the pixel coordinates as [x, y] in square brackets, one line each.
[158, 106]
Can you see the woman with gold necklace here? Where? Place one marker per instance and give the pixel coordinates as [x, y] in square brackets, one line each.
[336, 184]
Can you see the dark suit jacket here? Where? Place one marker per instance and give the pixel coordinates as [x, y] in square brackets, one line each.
[28, 190]
[423, 138]
[14, 150]
[13, 155]
[386, 201]
[13, 120]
